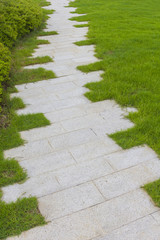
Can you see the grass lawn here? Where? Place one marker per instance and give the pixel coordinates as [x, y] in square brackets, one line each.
[127, 38]
[24, 214]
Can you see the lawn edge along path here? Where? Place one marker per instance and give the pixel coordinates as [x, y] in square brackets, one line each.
[137, 135]
[23, 214]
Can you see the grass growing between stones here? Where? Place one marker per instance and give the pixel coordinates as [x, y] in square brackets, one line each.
[81, 25]
[38, 60]
[127, 39]
[21, 56]
[25, 209]
[153, 190]
[84, 42]
[47, 33]
[32, 75]
[23, 214]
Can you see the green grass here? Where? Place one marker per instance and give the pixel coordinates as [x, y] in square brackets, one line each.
[84, 42]
[47, 33]
[10, 136]
[38, 60]
[25, 122]
[32, 75]
[127, 39]
[17, 103]
[153, 190]
[10, 172]
[81, 25]
[25, 209]
[23, 214]
[42, 41]
[91, 67]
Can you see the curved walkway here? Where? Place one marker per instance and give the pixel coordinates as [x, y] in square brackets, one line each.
[88, 188]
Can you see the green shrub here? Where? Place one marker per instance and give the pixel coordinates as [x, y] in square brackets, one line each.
[18, 18]
[5, 63]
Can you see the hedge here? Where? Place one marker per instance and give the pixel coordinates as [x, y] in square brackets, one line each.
[17, 18]
[5, 64]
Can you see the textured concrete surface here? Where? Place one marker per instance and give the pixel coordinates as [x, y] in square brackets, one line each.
[88, 188]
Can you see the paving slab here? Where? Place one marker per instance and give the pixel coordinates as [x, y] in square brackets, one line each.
[43, 132]
[47, 163]
[156, 216]
[142, 229]
[125, 181]
[131, 157]
[83, 172]
[93, 149]
[29, 150]
[38, 186]
[69, 201]
[71, 139]
[65, 114]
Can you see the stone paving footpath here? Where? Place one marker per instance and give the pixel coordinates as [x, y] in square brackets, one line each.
[88, 188]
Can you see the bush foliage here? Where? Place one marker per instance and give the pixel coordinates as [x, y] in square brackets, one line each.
[5, 63]
[17, 18]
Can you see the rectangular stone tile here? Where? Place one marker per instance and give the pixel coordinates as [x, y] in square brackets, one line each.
[114, 123]
[83, 172]
[63, 56]
[37, 108]
[97, 107]
[93, 149]
[47, 66]
[62, 79]
[36, 85]
[70, 102]
[23, 87]
[124, 181]
[70, 94]
[35, 186]
[27, 93]
[83, 81]
[153, 166]
[131, 157]
[43, 132]
[29, 150]
[40, 100]
[83, 122]
[47, 163]
[142, 229]
[72, 139]
[68, 201]
[75, 31]
[156, 216]
[124, 209]
[95, 221]
[59, 88]
[64, 114]
[63, 71]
